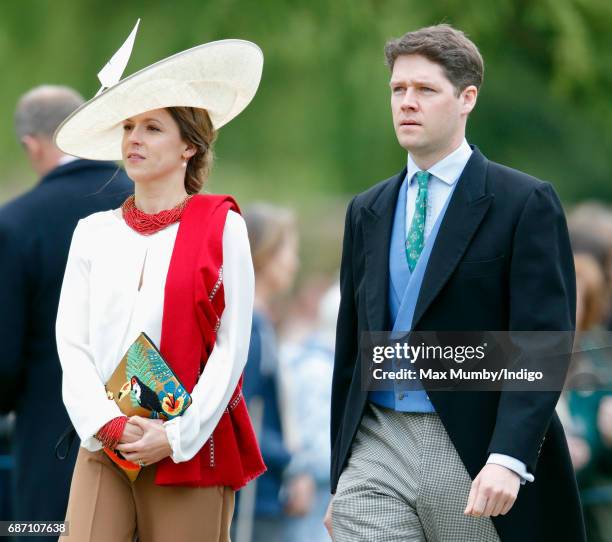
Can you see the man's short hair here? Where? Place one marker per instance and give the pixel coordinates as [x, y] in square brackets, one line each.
[41, 110]
[446, 46]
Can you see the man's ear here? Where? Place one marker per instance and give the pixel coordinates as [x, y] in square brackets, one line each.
[468, 97]
[32, 145]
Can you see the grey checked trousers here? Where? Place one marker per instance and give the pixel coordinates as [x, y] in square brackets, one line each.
[405, 482]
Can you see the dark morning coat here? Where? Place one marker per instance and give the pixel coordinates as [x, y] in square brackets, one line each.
[35, 233]
[501, 261]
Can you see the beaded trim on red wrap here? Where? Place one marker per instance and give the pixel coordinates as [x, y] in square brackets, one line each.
[111, 432]
[148, 224]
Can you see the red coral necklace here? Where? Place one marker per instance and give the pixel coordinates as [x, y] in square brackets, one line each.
[148, 224]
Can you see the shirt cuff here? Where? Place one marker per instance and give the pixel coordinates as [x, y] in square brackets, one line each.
[513, 464]
[173, 430]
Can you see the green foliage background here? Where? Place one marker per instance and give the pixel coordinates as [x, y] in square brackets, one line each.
[319, 128]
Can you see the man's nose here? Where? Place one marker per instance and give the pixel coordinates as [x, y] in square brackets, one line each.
[410, 101]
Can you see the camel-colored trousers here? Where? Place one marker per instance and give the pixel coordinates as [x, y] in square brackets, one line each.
[104, 506]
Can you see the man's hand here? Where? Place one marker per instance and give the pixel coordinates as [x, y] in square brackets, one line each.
[493, 492]
[327, 519]
[152, 447]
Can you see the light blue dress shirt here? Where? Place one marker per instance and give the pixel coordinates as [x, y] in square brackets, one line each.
[444, 175]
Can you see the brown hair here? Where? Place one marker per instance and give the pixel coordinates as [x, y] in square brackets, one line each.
[592, 288]
[446, 46]
[268, 227]
[197, 129]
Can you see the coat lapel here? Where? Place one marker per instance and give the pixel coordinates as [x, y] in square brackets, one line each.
[465, 212]
[377, 220]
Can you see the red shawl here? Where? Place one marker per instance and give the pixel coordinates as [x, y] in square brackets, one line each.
[193, 305]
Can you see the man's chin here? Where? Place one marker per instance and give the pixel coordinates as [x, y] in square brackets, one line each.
[411, 144]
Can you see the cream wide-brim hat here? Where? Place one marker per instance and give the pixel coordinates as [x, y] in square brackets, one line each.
[221, 77]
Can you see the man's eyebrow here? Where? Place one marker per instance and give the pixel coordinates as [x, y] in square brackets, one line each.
[420, 82]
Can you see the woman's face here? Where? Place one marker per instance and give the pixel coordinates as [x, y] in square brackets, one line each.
[281, 269]
[152, 147]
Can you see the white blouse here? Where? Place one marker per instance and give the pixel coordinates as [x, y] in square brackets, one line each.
[113, 290]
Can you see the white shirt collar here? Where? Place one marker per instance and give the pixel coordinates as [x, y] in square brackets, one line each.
[66, 159]
[449, 168]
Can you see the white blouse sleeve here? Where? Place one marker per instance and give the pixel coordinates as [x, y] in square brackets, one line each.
[188, 433]
[82, 388]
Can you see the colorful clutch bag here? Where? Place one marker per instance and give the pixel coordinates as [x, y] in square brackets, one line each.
[144, 385]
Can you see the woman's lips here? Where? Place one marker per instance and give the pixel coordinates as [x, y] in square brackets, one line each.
[135, 158]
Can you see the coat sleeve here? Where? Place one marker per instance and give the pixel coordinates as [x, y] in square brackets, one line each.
[542, 297]
[346, 337]
[14, 296]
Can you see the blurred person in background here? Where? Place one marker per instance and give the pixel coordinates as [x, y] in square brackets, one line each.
[300, 315]
[273, 238]
[307, 371]
[581, 404]
[7, 423]
[590, 227]
[35, 233]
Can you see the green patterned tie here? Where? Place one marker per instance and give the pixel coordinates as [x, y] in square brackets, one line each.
[416, 235]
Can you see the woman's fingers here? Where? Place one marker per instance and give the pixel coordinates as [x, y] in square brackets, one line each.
[129, 447]
[131, 433]
[133, 457]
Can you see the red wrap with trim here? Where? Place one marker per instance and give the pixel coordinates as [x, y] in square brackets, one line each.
[193, 305]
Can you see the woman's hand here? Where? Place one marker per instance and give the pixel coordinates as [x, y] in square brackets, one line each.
[153, 445]
[301, 492]
[131, 433]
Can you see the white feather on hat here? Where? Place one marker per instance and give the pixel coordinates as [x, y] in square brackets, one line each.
[221, 77]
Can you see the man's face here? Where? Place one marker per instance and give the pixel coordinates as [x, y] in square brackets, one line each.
[428, 116]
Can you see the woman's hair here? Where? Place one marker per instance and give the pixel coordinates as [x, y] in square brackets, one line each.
[197, 129]
[268, 227]
[591, 283]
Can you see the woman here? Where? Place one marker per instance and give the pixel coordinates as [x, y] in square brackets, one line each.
[274, 242]
[581, 402]
[177, 266]
[310, 365]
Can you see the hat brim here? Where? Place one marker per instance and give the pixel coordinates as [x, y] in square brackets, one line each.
[221, 77]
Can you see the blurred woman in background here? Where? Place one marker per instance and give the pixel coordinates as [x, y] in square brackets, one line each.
[308, 368]
[273, 238]
[580, 404]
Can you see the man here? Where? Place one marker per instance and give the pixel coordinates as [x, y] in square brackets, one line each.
[453, 242]
[35, 233]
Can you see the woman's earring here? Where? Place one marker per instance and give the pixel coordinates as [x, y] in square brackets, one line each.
[184, 161]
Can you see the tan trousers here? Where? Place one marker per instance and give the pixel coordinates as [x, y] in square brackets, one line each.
[105, 506]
